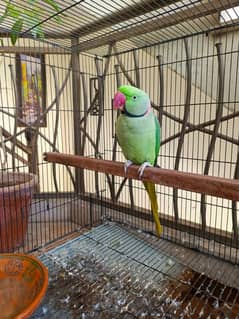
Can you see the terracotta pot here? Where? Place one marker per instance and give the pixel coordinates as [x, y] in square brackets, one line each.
[16, 190]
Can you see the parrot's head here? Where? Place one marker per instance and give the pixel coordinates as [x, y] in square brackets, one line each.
[132, 101]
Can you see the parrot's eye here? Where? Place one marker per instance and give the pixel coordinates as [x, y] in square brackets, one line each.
[134, 97]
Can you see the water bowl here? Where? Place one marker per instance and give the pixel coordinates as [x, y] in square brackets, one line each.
[23, 284]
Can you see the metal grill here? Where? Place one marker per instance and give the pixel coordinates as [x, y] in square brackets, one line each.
[117, 272]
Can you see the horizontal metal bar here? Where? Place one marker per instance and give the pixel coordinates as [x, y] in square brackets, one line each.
[190, 227]
[183, 226]
[210, 185]
[34, 50]
[132, 11]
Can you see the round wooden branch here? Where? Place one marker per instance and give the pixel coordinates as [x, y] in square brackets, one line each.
[210, 185]
[184, 123]
[212, 143]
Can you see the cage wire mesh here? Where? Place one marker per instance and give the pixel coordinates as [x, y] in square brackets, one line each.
[56, 95]
[190, 100]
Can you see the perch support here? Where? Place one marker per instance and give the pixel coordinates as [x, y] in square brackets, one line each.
[210, 185]
[76, 79]
[219, 112]
[184, 124]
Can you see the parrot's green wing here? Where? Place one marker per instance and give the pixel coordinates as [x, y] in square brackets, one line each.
[157, 139]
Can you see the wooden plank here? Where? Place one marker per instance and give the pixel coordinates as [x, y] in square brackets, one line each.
[210, 185]
[179, 16]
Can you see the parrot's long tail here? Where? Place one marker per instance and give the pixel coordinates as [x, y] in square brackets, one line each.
[150, 188]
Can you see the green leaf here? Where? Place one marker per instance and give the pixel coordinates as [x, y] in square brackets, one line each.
[57, 9]
[39, 33]
[31, 19]
[53, 4]
[12, 11]
[2, 18]
[33, 23]
[16, 29]
[57, 19]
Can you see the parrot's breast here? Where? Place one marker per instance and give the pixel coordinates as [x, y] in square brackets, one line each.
[137, 138]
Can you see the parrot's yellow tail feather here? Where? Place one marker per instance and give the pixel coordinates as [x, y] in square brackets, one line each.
[159, 228]
[150, 188]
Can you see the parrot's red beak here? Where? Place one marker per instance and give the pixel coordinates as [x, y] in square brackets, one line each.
[119, 101]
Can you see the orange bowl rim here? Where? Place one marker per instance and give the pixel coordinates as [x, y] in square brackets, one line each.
[36, 302]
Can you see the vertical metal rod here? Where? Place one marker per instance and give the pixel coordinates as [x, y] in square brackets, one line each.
[3, 160]
[137, 82]
[85, 100]
[161, 88]
[118, 83]
[101, 77]
[131, 81]
[80, 185]
[221, 75]
[131, 194]
[184, 124]
[56, 124]
[34, 134]
[99, 125]
[114, 148]
[16, 116]
[234, 203]
[107, 63]
[91, 216]
[136, 68]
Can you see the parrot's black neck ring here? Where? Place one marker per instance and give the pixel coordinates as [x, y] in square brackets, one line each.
[128, 114]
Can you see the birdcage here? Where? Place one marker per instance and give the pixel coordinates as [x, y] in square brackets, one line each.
[87, 220]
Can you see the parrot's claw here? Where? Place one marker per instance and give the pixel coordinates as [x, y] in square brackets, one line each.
[142, 168]
[127, 164]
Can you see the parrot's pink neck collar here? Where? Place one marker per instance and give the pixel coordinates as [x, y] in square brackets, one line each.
[148, 109]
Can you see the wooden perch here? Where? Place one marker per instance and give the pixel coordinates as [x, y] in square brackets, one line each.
[215, 186]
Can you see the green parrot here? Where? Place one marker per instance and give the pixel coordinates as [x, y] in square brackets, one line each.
[138, 134]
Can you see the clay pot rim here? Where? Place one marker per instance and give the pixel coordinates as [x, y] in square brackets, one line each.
[30, 183]
[27, 312]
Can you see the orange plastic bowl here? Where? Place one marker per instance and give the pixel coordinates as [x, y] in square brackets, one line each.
[23, 284]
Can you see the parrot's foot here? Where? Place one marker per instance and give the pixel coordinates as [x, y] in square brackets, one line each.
[142, 168]
[127, 164]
